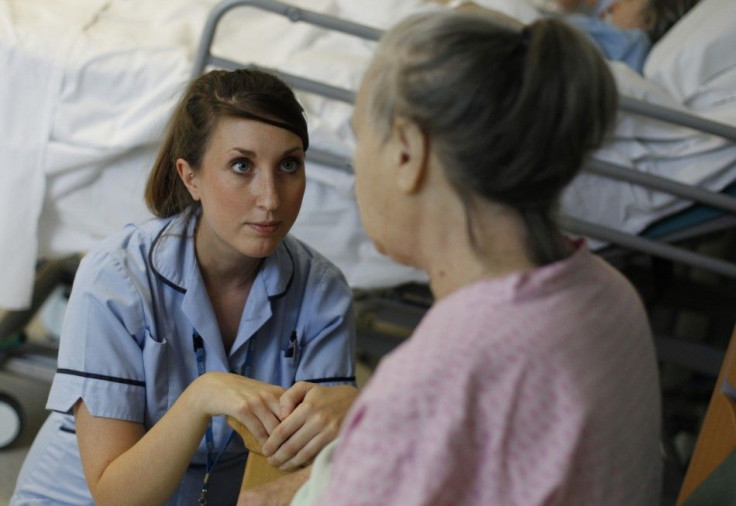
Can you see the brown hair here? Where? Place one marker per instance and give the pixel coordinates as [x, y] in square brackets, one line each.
[511, 111]
[245, 93]
[663, 14]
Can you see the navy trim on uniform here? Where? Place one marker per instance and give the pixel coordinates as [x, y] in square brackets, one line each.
[67, 429]
[160, 276]
[328, 380]
[291, 278]
[124, 381]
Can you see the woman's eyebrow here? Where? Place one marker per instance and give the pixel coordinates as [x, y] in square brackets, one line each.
[245, 152]
[253, 154]
[293, 150]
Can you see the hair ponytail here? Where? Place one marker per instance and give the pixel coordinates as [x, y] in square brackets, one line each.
[568, 92]
[512, 111]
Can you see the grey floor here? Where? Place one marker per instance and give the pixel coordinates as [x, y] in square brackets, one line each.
[31, 393]
[26, 377]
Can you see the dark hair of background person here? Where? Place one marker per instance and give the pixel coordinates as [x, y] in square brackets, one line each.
[664, 14]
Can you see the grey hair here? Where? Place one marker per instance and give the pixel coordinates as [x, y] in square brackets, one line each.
[511, 111]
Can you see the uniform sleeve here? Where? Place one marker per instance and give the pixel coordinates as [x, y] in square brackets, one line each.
[328, 346]
[100, 353]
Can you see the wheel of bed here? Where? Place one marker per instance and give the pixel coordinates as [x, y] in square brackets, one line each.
[11, 421]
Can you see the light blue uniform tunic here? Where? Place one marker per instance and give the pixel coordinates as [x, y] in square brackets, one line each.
[127, 348]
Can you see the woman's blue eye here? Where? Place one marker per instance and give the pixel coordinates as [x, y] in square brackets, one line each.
[291, 165]
[241, 166]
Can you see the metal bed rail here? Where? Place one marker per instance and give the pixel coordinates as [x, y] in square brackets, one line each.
[293, 13]
[573, 225]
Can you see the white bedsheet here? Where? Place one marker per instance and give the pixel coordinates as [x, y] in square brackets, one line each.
[693, 68]
[92, 83]
[676, 153]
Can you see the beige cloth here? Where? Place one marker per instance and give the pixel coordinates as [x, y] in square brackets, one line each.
[308, 494]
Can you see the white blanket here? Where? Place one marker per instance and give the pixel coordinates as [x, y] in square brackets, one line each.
[692, 68]
[29, 95]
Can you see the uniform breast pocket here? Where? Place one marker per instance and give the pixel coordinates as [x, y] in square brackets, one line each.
[290, 355]
[156, 371]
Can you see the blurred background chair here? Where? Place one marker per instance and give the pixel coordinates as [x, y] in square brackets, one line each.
[711, 475]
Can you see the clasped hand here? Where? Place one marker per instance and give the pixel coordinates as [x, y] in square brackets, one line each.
[310, 417]
[292, 425]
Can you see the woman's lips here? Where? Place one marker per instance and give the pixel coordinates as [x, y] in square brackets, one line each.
[266, 227]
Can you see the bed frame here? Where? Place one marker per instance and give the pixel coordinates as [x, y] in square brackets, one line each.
[204, 58]
[392, 316]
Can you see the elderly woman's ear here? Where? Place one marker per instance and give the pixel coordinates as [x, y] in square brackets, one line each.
[411, 154]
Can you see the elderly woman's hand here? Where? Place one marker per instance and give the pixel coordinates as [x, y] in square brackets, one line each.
[311, 416]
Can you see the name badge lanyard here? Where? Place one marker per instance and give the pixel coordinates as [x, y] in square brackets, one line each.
[212, 459]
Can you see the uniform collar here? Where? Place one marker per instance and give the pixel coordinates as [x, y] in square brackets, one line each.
[172, 258]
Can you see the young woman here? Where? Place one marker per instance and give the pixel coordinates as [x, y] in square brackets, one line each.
[211, 309]
[533, 379]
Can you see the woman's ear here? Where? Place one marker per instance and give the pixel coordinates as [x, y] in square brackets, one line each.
[188, 177]
[413, 154]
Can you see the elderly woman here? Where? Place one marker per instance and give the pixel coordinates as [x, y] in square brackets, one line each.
[533, 378]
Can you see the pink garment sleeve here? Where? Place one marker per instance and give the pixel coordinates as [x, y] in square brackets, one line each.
[477, 437]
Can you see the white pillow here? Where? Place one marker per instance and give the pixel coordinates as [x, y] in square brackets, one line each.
[633, 126]
[699, 48]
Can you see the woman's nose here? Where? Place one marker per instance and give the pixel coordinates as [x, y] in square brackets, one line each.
[267, 193]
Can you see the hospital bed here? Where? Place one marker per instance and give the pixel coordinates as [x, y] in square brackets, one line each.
[669, 123]
[99, 109]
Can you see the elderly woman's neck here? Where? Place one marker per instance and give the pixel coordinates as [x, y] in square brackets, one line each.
[453, 260]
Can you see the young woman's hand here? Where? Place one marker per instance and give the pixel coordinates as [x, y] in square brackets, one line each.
[253, 403]
[311, 416]
[116, 453]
